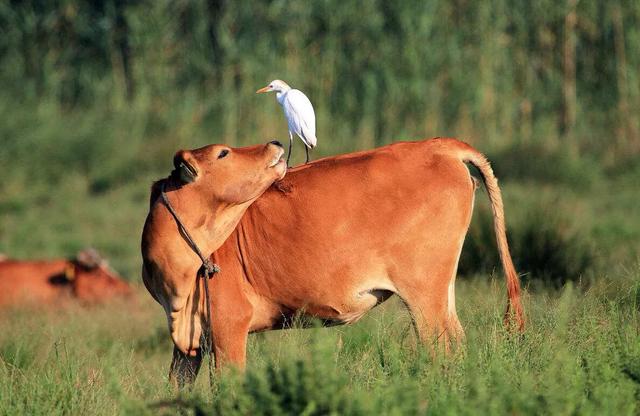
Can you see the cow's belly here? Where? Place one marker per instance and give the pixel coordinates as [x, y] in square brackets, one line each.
[349, 309]
[337, 299]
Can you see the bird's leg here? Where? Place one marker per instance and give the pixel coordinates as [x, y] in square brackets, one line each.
[306, 149]
[290, 146]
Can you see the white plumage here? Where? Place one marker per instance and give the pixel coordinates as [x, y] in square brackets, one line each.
[299, 113]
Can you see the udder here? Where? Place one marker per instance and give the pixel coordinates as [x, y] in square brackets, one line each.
[336, 313]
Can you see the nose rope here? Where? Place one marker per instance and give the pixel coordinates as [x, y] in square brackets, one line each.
[207, 271]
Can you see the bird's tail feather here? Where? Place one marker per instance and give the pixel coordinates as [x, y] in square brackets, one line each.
[309, 140]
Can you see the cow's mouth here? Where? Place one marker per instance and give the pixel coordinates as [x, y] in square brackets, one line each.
[189, 170]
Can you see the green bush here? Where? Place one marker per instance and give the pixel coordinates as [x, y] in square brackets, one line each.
[295, 388]
[545, 245]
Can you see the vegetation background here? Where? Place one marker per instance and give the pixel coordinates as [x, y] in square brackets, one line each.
[95, 98]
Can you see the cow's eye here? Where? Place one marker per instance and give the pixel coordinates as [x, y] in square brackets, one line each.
[223, 154]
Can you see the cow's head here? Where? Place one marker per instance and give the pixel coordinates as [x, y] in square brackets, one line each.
[210, 189]
[92, 279]
[226, 175]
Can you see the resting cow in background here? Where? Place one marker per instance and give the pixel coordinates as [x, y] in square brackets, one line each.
[333, 239]
[87, 278]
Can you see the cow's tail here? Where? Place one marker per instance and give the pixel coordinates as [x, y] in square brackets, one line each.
[514, 313]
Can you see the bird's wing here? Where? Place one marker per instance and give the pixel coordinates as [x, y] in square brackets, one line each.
[300, 116]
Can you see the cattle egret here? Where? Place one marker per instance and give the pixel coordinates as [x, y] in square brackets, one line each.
[299, 113]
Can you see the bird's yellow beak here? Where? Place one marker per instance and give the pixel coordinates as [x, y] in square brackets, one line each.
[265, 89]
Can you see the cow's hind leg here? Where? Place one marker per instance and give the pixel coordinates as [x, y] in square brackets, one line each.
[430, 299]
[184, 368]
[428, 307]
[454, 328]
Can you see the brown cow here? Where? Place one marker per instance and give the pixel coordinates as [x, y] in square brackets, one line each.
[332, 240]
[87, 278]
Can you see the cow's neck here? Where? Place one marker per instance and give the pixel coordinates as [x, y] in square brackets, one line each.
[209, 223]
[260, 230]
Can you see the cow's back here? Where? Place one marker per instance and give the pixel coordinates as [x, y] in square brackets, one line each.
[32, 281]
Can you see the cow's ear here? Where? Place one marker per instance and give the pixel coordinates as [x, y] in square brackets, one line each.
[185, 166]
[70, 272]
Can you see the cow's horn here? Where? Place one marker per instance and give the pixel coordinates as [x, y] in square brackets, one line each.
[89, 258]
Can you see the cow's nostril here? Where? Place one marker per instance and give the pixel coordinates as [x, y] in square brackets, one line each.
[277, 143]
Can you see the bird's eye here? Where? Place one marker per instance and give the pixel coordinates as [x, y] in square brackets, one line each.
[223, 154]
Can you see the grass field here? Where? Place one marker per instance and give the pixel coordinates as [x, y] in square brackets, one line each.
[580, 354]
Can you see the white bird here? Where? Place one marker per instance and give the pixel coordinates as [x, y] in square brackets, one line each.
[298, 111]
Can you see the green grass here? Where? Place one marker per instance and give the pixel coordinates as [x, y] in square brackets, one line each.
[580, 355]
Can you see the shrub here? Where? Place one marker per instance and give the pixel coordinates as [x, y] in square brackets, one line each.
[545, 246]
[295, 388]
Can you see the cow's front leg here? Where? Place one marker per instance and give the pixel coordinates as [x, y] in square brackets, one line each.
[184, 368]
[231, 320]
[231, 315]
[230, 333]
[230, 348]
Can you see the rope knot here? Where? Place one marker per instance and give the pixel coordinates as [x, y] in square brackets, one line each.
[210, 268]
